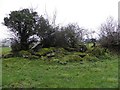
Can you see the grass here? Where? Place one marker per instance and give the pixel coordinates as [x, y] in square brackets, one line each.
[19, 72]
[5, 50]
[23, 73]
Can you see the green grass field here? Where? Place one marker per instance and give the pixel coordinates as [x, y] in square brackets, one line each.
[5, 50]
[23, 73]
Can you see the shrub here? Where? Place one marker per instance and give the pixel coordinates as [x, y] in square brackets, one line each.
[98, 52]
[15, 46]
[80, 54]
[106, 56]
[81, 48]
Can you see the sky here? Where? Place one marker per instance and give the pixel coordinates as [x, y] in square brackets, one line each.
[87, 13]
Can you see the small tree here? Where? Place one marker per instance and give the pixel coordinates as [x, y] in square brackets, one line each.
[22, 23]
[45, 31]
[110, 34]
[69, 36]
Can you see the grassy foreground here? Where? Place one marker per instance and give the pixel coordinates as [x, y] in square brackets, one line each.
[23, 73]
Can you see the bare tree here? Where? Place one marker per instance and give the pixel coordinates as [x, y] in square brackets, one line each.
[110, 33]
[108, 27]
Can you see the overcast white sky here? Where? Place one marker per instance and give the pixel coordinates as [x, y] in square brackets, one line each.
[87, 13]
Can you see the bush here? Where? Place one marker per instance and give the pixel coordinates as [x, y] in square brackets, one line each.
[15, 46]
[68, 36]
[80, 54]
[81, 48]
[98, 52]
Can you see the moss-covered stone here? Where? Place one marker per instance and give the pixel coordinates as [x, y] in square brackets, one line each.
[24, 54]
[45, 51]
[9, 55]
[32, 57]
[90, 58]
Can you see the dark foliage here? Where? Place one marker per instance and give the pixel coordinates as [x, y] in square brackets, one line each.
[26, 23]
[22, 24]
[110, 35]
[68, 36]
[45, 31]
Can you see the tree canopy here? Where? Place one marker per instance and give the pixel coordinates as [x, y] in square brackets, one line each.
[110, 34]
[22, 23]
[26, 23]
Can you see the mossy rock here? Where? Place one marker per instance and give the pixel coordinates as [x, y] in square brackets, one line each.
[62, 62]
[51, 52]
[50, 55]
[9, 55]
[72, 58]
[45, 51]
[55, 60]
[80, 54]
[24, 54]
[70, 49]
[75, 58]
[32, 57]
[90, 58]
[60, 50]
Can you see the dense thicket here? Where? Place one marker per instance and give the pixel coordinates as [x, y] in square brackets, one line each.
[27, 23]
[34, 32]
[22, 23]
[110, 34]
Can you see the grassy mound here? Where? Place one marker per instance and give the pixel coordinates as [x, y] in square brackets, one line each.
[63, 70]
[62, 56]
[24, 73]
